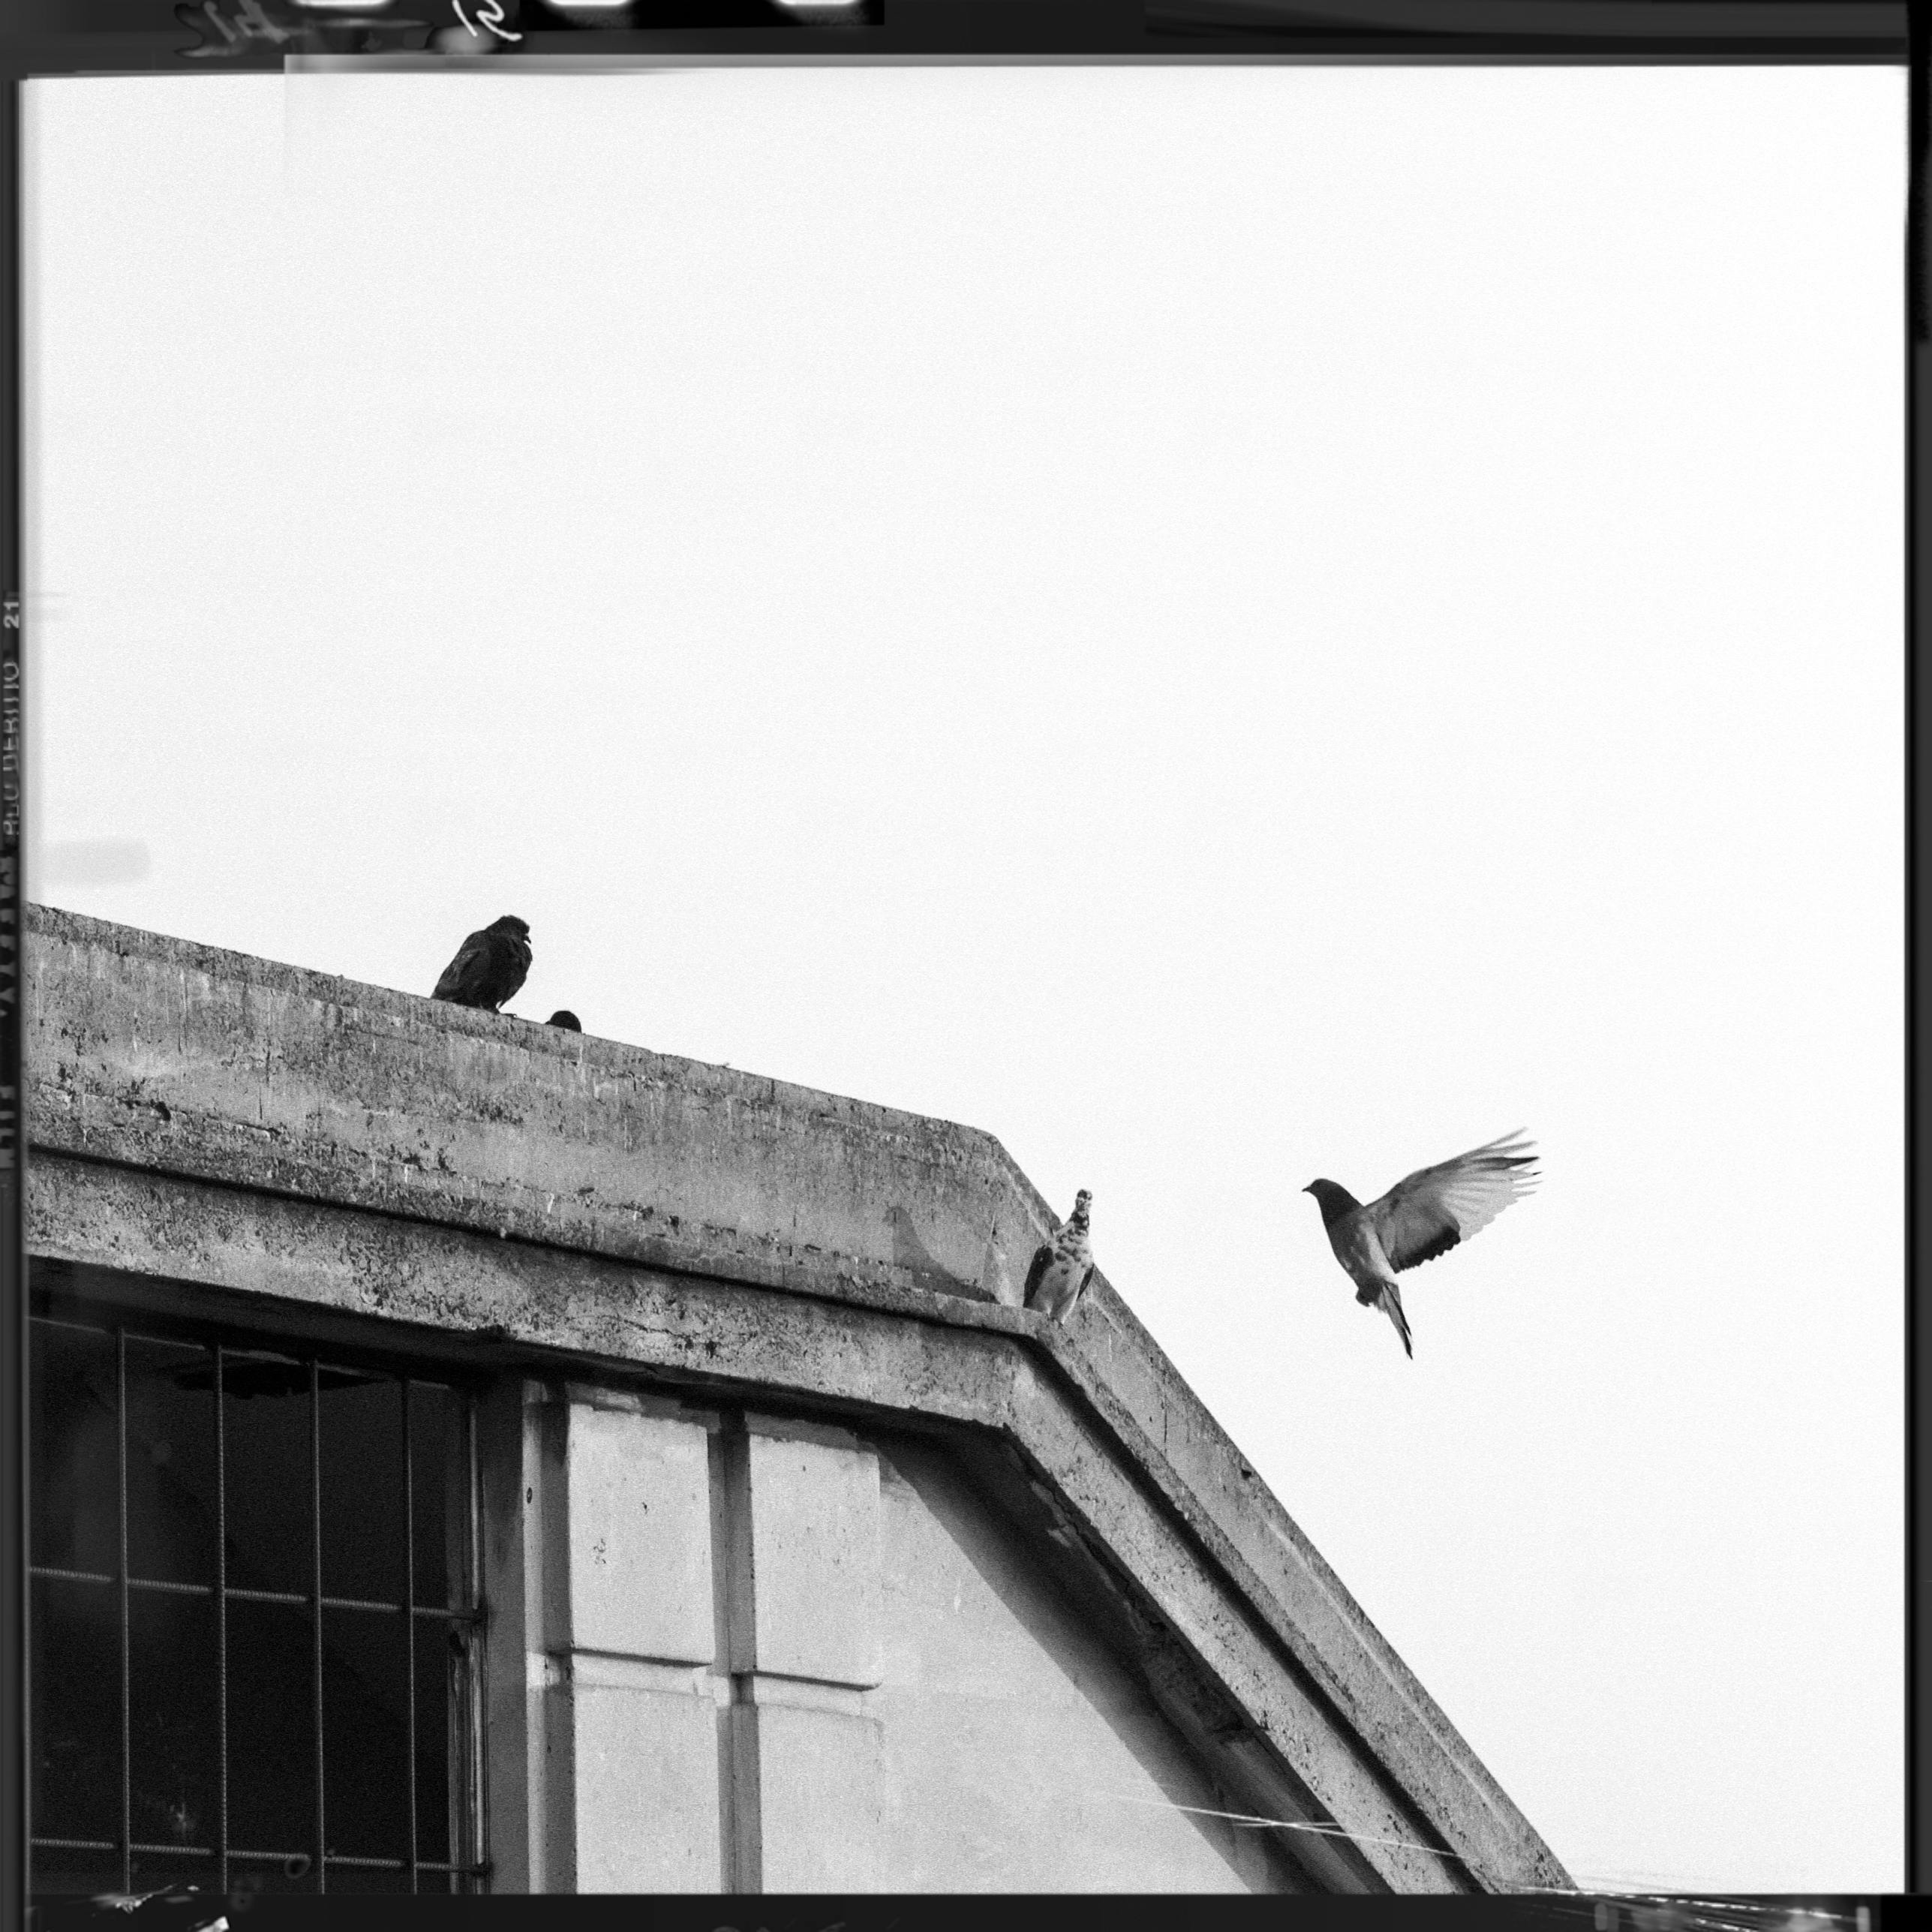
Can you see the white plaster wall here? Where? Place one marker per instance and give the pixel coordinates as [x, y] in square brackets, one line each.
[1016, 1755]
[902, 1703]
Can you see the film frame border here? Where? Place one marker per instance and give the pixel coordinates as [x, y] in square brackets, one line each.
[51, 38]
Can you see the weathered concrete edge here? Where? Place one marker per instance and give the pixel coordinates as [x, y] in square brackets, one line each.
[618, 1314]
[259, 1160]
[1433, 1777]
[1107, 1356]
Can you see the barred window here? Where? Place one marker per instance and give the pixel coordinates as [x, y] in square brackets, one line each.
[254, 1615]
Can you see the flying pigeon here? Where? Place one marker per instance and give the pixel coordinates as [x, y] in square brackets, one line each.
[1420, 1218]
[489, 967]
[1062, 1267]
[565, 1018]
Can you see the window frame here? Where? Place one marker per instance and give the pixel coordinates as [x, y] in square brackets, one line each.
[125, 1309]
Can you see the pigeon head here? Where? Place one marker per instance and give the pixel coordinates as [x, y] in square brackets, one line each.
[517, 931]
[1334, 1200]
[1082, 1202]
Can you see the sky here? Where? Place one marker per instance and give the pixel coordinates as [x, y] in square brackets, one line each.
[1223, 624]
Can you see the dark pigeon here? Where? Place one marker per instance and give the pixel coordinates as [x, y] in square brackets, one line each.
[490, 966]
[565, 1018]
[1420, 1218]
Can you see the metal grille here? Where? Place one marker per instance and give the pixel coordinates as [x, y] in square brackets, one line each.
[255, 1616]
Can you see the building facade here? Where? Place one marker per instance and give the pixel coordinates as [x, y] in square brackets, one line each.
[468, 1455]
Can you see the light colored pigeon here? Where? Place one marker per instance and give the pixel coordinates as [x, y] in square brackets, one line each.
[1420, 1217]
[1062, 1267]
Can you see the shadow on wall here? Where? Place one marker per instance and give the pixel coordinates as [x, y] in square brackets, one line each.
[1018, 1725]
[995, 1283]
[918, 1260]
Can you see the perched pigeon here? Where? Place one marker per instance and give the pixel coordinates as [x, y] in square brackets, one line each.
[491, 965]
[1062, 1267]
[1420, 1218]
[565, 1018]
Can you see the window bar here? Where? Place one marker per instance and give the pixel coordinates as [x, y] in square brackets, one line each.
[221, 1624]
[466, 1839]
[409, 1620]
[235, 1590]
[315, 1524]
[127, 1685]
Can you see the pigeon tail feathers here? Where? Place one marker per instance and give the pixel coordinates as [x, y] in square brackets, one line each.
[1389, 1301]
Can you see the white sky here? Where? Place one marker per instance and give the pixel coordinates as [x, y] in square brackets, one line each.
[1223, 624]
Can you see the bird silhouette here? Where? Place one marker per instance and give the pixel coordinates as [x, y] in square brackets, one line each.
[489, 966]
[1420, 1217]
[565, 1018]
[1063, 1267]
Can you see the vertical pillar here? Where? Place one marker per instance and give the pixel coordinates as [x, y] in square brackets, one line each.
[685, 1618]
[515, 1758]
[635, 1645]
[802, 1627]
[605, 1768]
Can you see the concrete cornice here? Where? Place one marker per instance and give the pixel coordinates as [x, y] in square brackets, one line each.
[159, 1055]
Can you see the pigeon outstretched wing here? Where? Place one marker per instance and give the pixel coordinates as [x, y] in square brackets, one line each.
[1428, 1213]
